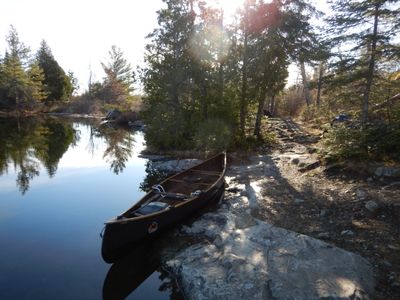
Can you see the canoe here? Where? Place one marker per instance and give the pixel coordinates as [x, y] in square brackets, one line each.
[168, 203]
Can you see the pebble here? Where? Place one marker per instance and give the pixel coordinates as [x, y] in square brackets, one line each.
[298, 200]
[347, 232]
[372, 206]
[295, 161]
[386, 263]
[395, 284]
[323, 213]
[361, 194]
[392, 247]
[323, 235]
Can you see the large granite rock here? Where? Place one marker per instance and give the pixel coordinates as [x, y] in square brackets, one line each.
[242, 257]
[250, 259]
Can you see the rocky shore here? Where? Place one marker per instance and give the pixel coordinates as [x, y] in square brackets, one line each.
[290, 227]
[243, 257]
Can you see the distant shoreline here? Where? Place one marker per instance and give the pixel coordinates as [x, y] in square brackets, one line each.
[27, 113]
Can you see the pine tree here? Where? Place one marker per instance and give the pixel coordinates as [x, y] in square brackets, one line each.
[119, 77]
[57, 83]
[36, 78]
[367, 31]
[168, 79]
[13, 78]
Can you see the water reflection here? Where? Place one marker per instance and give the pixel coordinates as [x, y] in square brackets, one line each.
[119, 146]
[153, 176]
[30, 144]
[128, 275]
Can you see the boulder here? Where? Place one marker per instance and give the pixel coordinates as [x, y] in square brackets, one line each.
[262, 261]
[113, 114]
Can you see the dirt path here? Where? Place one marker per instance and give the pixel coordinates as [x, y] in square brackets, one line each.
[361, 215]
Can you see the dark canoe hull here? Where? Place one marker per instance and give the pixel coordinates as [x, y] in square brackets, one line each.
[120, 235]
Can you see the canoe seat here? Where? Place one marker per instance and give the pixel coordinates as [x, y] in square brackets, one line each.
[151, 208]
[159, 189]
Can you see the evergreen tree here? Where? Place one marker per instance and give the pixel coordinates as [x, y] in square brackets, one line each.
[14, 82]
[36, 78]
[367, 31]
[119, 77]
[302, 40]
[74, 82]
[168, 79]
[271, 60]
[57, 83]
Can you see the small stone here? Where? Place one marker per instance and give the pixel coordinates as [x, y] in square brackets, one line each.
[372, 206]
[323, 213]
[347, 232]
[386, 263]
[379, 171]
[248, 286]
[395, 284]
[361, 194]
[392, 247]
[298, 200]
[295, 161]
[323, 235]
[233, 190]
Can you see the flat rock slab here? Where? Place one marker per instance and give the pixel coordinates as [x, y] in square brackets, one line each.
[250, 259]
[242, 257]
[175, 165]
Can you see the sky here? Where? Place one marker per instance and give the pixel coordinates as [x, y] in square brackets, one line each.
[81, 32]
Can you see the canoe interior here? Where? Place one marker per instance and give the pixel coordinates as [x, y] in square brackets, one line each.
[200, 178]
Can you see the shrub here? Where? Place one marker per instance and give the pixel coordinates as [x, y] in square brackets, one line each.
[213, 135]
[380, 142]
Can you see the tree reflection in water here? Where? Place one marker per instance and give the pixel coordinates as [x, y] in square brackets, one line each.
[153, 176]
[29, 143]
[25, 143]
[119, 146]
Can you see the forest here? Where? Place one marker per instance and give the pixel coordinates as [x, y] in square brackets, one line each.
[209, 81]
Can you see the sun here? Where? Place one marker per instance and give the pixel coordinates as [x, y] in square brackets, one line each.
[230, 6]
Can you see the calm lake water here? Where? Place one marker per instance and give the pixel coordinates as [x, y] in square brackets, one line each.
[59, 181]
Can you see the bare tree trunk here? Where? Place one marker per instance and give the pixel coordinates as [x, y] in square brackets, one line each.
[261, 103]
[371, 67]
[272, 104]
[319, 85]
[221, 65]
[204, 95]
[90, 83]
[306, 86]
[243, 102]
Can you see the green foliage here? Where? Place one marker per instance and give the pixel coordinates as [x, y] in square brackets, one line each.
[57, 84]
[213, 136]
[167, 129]
[318, 114]
[379, 142]
[36, 77]
[199, 70]
[14, 81]
[117, 86]
[369, 32]
[28, 141]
